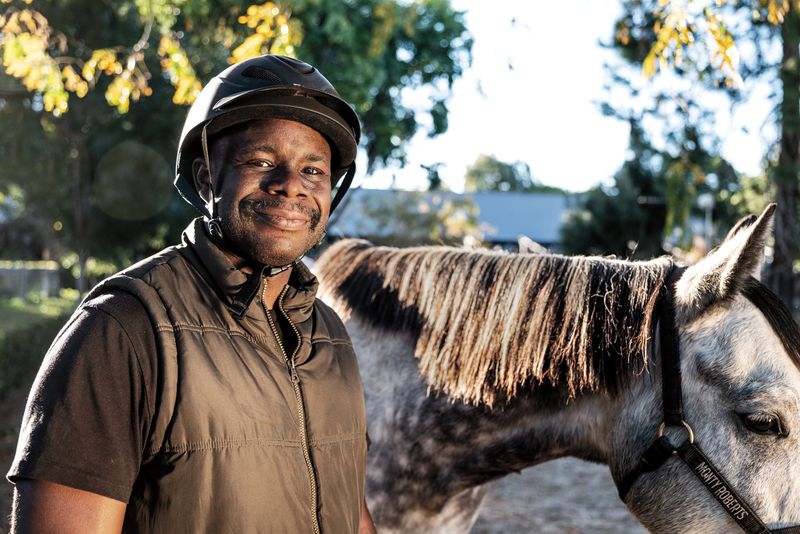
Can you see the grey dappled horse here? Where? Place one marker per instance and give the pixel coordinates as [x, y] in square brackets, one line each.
[479, 364]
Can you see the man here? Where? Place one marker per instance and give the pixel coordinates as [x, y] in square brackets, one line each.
[205, 389]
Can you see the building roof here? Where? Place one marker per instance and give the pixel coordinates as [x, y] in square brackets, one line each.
[507, 216]
[503, 216]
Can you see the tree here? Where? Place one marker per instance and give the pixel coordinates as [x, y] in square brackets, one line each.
[627, 218]
[143, 57]
[490, 174]
[408, 218]
[700, 41]
[373, 50]
[58, 159]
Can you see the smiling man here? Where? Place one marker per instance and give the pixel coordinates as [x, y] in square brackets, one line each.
[206, 389]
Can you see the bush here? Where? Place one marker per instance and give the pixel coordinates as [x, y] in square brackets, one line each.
[29, 327]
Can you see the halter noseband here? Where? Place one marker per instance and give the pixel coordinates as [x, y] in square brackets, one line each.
[689, 451]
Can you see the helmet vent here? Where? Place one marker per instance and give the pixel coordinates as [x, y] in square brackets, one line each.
[261, 74]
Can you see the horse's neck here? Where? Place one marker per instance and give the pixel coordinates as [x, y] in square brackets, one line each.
[556, 427]
[468, 445]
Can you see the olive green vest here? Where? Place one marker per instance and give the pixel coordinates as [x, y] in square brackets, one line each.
[225, 450]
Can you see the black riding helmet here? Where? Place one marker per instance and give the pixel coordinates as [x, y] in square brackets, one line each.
[269, 86]
[264, 87]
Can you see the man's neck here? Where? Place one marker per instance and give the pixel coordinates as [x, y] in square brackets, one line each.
[275, 285]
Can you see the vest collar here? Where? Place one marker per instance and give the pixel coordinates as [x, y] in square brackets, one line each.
[230, 283]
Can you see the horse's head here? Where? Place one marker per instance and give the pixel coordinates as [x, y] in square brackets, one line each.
[741, 396]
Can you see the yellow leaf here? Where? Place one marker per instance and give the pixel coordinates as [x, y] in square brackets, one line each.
[73, 82]
[273, 32]
[776, 10]
[12, 24]
[251, 47]
[649, 64]
[181, 73]
[26, 17]
[119, 92]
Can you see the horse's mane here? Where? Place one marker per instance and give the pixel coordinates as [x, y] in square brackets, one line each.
[488, 323]
[777, 315]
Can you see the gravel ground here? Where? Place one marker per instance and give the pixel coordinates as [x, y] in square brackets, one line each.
[566, 496]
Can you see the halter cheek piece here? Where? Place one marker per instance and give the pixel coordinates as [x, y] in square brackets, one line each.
[689, 451]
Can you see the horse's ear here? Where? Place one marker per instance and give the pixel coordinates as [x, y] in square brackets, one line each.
[741, 225]
[719, 275]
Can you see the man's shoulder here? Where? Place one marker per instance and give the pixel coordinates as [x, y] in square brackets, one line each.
[120, 305]
[118, 311]
[168, 263]
[133, 291]
[146, 267]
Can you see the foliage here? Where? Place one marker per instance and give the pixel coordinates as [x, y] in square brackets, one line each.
[694, 35]
[490, 174]
[727, 45]
[27, 328]
[754, 194]
[676, 28]
[375, 50]
[55, 64]
[630, 218]
[273, 33]
[372, 50]
[625, 219]
[693, 172]
[103, 188]
[407, 218]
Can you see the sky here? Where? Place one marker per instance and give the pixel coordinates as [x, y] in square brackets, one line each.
[543, 109]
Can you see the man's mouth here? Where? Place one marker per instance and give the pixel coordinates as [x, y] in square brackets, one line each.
[279, 213]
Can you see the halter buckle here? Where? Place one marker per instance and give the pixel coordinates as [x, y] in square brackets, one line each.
[690, 433]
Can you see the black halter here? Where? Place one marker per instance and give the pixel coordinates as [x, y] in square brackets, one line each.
[689, 451]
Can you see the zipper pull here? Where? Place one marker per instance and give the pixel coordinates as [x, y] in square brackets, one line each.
[293, 372]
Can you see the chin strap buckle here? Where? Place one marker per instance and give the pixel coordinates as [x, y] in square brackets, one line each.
[214, 228]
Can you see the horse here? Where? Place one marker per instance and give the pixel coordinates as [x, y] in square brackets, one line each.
[477, 364]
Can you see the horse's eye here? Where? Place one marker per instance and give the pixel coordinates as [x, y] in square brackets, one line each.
[764, 423]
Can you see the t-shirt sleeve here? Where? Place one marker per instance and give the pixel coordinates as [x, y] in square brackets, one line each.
[89, 411]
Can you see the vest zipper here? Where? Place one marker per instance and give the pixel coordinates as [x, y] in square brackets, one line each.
[298, 393]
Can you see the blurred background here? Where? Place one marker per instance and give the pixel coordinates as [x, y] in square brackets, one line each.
[632, 128]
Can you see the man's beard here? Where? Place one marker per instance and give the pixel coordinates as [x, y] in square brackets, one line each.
[252, 248]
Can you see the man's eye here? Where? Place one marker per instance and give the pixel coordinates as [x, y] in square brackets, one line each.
[314, 171]
[259, 163]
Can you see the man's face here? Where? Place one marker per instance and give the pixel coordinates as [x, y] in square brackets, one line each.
[272, 180]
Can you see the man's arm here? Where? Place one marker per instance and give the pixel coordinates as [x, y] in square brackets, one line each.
[365, 524]
[46, 507]
[86, 422]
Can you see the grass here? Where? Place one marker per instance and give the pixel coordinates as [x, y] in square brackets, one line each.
[27, 327]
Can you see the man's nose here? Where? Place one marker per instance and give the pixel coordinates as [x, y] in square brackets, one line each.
[286, 181]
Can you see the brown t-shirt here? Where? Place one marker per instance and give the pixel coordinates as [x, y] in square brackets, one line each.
[92, 401]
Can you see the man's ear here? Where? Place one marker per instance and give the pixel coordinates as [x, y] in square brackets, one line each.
[202, 179]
